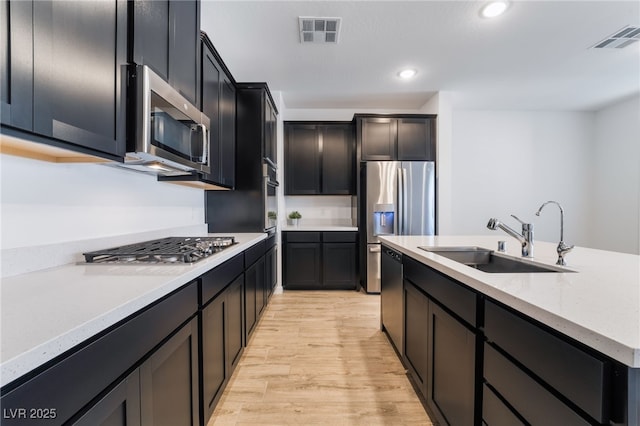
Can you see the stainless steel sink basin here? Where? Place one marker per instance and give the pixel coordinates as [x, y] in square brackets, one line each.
[487, 260]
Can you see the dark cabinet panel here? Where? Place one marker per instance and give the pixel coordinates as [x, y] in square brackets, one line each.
[397, 137]
[234, 323]
[452, 375]
[16, 64]
[169, 381]
[78, 89]
[416, 334]
[120, 407]
[495, 412]
[339, 268]
[302, 266]
[270, 122]
[302, 162]
[219, 104]
[415, 139]
[338, 159]
[254, 295]
[392, 297]
[166, 37]
[271, 270]
[214, 350]
[378, 139]
[320, 158]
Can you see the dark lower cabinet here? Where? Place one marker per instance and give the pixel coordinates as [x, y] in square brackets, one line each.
[120, 407]
[169, 381]
[320, 260]
[416, 330]
[451, 384]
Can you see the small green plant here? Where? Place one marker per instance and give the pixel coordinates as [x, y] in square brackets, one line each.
[295, 215]
[272, 215]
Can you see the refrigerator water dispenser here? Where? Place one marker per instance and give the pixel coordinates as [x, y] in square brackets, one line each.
[383, 219]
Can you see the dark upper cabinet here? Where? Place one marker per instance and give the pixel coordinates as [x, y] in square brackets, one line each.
[166, 37]
[16, 64]
[403, 138]
[319, 158]
[270, 133]
[63, 72]
[219, 104]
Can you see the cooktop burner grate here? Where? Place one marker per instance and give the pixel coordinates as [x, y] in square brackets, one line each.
[164, 250]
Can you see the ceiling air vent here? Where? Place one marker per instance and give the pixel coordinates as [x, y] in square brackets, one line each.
[319, 30]
[620, 39]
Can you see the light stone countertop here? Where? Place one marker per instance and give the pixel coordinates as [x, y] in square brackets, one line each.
[45, 313]
[598, 305]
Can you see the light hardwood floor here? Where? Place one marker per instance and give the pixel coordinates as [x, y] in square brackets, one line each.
[319, 357]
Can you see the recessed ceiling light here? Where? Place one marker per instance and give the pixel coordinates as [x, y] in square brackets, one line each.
[493, 9]
[408, 73]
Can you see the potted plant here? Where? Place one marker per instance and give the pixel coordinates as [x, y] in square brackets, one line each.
[295, 217]
[273, 216]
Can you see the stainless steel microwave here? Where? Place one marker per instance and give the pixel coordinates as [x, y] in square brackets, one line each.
[171, 135]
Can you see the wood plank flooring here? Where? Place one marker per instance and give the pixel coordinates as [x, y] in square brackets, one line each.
[319, 357]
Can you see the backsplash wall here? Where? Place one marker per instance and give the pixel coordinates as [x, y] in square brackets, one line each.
[321, 210]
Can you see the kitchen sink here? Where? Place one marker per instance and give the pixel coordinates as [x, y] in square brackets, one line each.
[487, 260]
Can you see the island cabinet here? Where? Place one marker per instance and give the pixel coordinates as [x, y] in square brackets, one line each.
[319, 158]
[54, 91]
[166, 37]
[120, 375]
[219, 104]
[396, 137]
[320, 260]
[222, 304]
[441, 339]
[544, 377]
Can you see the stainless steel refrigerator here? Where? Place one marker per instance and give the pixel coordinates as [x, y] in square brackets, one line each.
[399, 199]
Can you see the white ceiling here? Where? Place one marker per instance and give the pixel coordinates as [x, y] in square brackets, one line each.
[535, 56]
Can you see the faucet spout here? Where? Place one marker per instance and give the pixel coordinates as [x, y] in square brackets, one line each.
[562, 248]
[525, 239]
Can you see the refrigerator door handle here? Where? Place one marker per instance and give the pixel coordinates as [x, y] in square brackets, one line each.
[400, 202]
[405, 202]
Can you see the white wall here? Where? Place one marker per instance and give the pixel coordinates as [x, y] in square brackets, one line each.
[322, 210]
[510, 162]
[615, 178]
[49, 203]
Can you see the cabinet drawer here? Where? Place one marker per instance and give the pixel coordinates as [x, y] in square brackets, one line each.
[271, 242]
[446, 291]
[302, 237]
[214, 281]
[339, 237]
[252, 254]
[495, 412]
[574, 373]
[533, 402]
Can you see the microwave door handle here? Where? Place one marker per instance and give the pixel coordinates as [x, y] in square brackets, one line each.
[205, 143]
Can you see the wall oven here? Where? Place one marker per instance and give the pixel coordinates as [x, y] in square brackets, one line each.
[270, 192]
[170, 135]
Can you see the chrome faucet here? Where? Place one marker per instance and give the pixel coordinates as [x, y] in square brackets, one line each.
[562, 248]
[526, 238]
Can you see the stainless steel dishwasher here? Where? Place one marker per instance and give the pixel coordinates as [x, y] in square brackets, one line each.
[391, 306]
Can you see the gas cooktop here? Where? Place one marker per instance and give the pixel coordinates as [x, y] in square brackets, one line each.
[164, 250]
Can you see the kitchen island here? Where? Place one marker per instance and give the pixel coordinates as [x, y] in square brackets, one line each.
[571, 338]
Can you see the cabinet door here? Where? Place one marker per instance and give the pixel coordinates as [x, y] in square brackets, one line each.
[214, 349]
[184, 32]
[339, 268]
[254, 294]
[79, 54]
[378, 138]
[270, 121]
[338, 159]
[234, 321]
[416, 334]
[120, 407]
[271, 271]
[416, 139]
[169, 381]
[16, 64]
[451, 383]
[227, 133]
[302, 160]
[211, 106]
[302, 266]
